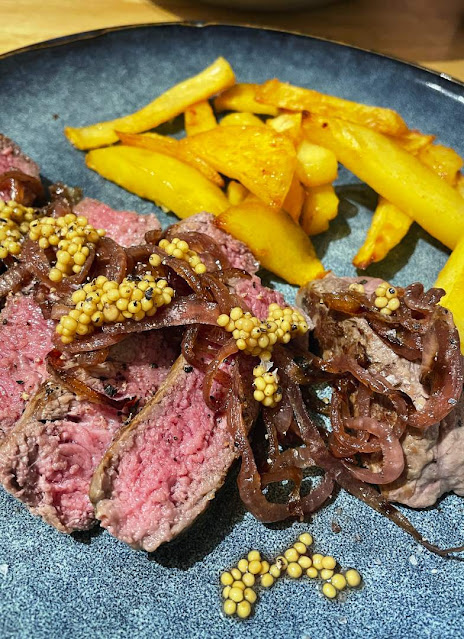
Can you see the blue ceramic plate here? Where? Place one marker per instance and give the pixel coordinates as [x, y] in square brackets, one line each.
[53, 585]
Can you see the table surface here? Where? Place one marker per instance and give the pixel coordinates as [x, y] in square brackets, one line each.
[424, 31]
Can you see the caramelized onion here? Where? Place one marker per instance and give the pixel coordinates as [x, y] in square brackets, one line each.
[23, 188]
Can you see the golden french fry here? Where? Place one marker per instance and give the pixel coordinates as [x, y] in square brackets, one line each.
[241, 118]
[414, 141]
[388, 227]
[236, 192]
[451, 279]
[258, 157]
[287, 96]
[320, 206]
[161, 178]
[199, 117]
[172, 147]
[394, 173]
[275, 240]
[174, 101]
[460, 184]
[316, 165]
[293, 203]
[289, 123]
[241, 97]
[443, 161]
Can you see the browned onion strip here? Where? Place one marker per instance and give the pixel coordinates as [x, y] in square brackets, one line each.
[153, 236]
[392, 451]
[211, 375]
[249, 480]
[93, 358]
[68, 378]
[93, 342]
[181, 312]
[202, 244]
[446, 376]
[14, 279]
[24, 188]
[354, 486]
[139, 253]
[111, 260]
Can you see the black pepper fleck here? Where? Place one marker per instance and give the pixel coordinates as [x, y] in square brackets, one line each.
[110, 390]
[188, 369]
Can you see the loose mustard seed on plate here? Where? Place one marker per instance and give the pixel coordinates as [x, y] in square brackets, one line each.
[241, 582]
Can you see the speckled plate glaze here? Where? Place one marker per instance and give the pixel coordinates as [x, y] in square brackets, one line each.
[93, 586]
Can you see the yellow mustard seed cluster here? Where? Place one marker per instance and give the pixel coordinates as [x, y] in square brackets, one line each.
[257, 338]
[15, 220]
[266, 385]
[104, 301]
[240, 583]
[180, 249]
[73, 237]
[356, 286]
[386, 299]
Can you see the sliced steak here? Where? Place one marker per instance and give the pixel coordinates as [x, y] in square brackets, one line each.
[434, 459]
[49, 458]
[125, 227]
[434, 463]
[11, 157]
[25, 341]
[166, 466]
[22, 358]
[353, 335]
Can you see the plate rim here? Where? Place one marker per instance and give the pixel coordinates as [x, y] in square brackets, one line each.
[200, 24]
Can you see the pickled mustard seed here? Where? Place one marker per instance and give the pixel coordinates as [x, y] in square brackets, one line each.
[238, 592]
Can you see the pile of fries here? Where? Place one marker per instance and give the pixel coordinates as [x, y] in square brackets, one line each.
[263, 159]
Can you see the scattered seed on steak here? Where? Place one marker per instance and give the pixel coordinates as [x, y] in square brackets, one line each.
[110, 390]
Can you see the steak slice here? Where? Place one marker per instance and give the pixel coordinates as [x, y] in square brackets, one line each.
[22, 358]
[49, 458]
[166, 466]
[434, 459]
[124, 227]
[434, 463]
[11, 157]
[354, 336]
[25, 341]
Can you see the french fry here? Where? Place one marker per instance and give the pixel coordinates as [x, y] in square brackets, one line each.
[414, 141]
[241, 97]
[287, 96]
[199, 117]
[320, 206]
[443, 161]
[241, 118]
[210, 81]
[388, 227]
[258, 157]
[172, 147]
[394, 173]
[451, 279]
[275, 240]
[288, 123]
[293, 203]
[315, 165]
[236, 192]
[161, 178]
[460, 184]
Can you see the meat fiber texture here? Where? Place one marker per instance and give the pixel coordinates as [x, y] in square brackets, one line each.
[163, 470]
[25, 341]
[434, 460]
[50, 456]
[125, 227]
